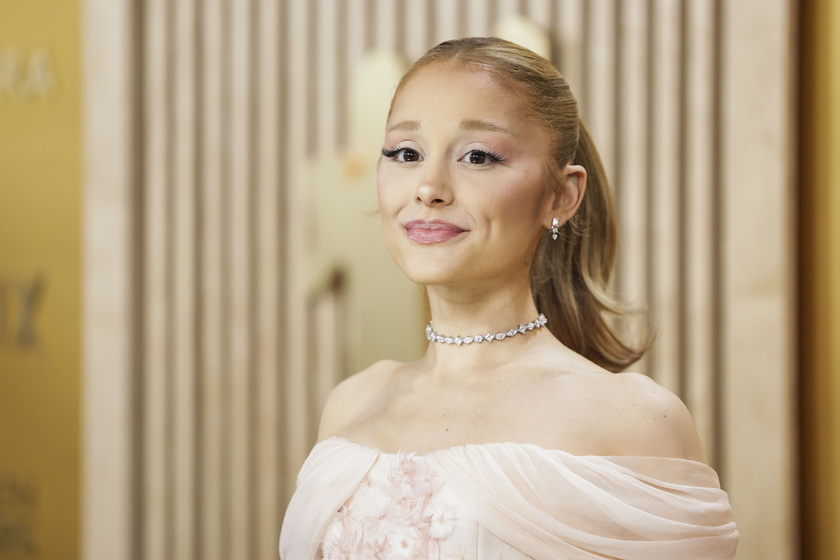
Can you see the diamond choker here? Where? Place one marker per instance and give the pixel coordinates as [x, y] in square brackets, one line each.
[432, 336]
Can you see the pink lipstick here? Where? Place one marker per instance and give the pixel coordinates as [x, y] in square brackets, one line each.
[429, 232]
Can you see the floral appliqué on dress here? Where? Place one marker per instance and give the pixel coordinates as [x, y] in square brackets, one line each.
[396, 513]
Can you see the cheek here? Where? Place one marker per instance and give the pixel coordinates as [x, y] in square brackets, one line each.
[384, 194]
[390, 205]
[519, 207]
[390, 184]
[518, 220]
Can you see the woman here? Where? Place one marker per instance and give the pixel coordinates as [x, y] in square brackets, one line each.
[511, 437]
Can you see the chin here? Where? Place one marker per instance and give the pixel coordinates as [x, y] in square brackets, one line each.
[430, 274]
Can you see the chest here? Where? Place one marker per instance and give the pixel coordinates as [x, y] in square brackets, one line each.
[428, 416]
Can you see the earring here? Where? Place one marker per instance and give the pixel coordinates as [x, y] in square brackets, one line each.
[555, 228]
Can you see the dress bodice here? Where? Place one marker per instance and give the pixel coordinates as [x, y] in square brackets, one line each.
[401, 509]
[503, 501]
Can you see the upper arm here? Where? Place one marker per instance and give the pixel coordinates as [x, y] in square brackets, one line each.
[657, 422]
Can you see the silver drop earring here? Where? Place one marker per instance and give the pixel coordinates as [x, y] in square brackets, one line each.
[555, 228]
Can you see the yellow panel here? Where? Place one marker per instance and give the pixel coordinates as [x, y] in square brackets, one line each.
[831, 186]
[40, 240]
[819, 214]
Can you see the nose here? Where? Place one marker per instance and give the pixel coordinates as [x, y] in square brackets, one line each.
[434, 188]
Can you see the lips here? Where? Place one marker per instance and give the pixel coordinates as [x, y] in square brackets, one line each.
[429, 232]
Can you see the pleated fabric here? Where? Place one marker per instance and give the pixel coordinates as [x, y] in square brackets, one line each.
[531, 502]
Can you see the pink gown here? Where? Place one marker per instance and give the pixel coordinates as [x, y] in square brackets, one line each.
[503, 501]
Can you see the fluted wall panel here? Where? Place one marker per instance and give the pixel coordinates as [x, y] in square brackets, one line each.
[666, 230]
[213, 480]
[157, 494]
[270, 254]
[697, 260]
[213, 206]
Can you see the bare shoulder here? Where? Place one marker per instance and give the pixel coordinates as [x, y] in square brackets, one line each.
[646, 419]
[352, 397]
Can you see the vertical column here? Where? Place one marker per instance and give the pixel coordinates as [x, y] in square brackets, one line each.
[110, 282]
[385, 24]
[477, 18]
[506, 8]
[664, 283]
[326, 100]
[241, 332]
[632, 175]
[184, 247]
[354, 47]
[416, 27]
[156, 103]
[601, 85]
[569, 30]
[446, 21]
[213, 296]
[297, 410]
[757, 286]
[269, 252]
[699, 219]
[539, 11]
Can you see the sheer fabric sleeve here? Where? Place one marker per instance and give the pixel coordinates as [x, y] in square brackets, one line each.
[550, 505]
[329, 475]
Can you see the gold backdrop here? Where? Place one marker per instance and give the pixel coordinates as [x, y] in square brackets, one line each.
[40, 282]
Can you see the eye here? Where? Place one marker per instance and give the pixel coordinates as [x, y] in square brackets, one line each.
[481, 157]
[402, 155]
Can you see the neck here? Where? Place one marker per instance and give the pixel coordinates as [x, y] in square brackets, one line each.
[473, 309]
[471, 312]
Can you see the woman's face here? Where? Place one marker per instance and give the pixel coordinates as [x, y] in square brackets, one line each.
[462, 181]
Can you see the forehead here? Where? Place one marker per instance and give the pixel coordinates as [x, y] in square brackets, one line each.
[463, 90]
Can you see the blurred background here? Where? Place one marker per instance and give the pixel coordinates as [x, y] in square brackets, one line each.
[190, 258]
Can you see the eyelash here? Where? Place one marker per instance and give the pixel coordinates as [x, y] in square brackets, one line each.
[493, 156]
[391, 153]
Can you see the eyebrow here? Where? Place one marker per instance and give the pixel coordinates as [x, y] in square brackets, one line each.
[476, 124]
[466, 124]
[405, 125]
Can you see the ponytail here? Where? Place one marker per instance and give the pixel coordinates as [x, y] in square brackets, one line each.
[570, 277]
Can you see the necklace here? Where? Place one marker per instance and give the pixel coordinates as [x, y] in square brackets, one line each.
[432, 336]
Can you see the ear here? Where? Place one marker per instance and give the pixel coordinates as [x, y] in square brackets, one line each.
[568, 197]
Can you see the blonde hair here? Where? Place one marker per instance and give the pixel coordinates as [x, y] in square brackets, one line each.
[570, 278]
